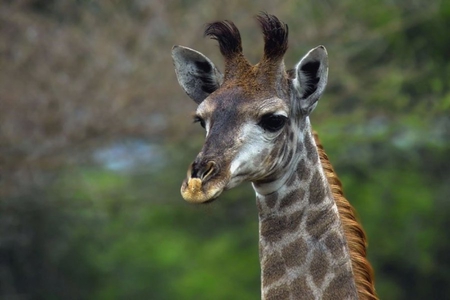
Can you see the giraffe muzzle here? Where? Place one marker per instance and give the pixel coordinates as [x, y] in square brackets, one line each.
[198, 186]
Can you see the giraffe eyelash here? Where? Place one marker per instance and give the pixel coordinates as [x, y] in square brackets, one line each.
[200, 120]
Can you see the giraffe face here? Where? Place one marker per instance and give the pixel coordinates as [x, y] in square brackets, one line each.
[251, 114]
[244, 142]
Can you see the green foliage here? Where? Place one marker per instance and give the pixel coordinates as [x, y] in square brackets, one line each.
[117, 244]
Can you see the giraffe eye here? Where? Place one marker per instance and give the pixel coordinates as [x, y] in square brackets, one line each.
[272, 122]
[197, 119]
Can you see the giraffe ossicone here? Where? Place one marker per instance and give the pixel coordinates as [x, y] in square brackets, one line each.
[257, 126]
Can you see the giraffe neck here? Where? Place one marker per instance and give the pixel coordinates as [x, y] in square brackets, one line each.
[303, 250]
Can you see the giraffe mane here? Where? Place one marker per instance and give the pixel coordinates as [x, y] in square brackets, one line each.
[354, 233]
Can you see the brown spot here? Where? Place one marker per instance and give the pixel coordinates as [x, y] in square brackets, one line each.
[311, 151]
[294, 220]
[341, 287]
[272, 228]
[303, 170]
[271, 199]
[291, 136]
[319, 222]
[316, 189]
[300, 289]
[291, 198]
[278, 293]
[319, 267]
[273, 268]
[335, 245]
[294, 254]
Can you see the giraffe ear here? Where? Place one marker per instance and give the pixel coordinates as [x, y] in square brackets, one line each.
[311, 75]
[196, 74]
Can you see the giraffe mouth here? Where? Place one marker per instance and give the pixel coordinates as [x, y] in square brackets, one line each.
[200, 186]
[194, 190]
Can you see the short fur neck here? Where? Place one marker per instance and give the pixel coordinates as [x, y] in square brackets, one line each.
[303, 250]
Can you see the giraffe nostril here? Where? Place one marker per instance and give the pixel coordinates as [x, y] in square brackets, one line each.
[203, 170]
[210, 166]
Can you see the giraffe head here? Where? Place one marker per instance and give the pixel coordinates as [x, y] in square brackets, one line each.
[252, 114]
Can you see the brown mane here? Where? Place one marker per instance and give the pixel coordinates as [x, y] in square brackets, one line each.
[356, 238]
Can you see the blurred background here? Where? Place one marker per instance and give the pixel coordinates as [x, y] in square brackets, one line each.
[96, 136]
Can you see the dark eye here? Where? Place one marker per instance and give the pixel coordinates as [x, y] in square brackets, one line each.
[197, 119]
[272, 122]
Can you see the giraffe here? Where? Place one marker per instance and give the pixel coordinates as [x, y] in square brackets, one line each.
[257, 126]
